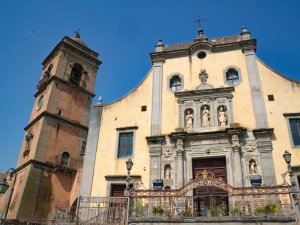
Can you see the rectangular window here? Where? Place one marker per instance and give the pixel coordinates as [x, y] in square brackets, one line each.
[295, 130]
[125, 145]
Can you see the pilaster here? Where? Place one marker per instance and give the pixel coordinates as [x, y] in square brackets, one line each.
[264, 147]
[255, 89]
[156, 98]
[91, 149]
[237, 161]
[155, 149]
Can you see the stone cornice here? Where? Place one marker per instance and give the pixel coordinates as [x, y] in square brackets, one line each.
[208, 134]
[121, 177]
[45, 83]
[74, 46]
[155, 138]
[268, 131]
[214, 92]
[291, 114]
[244, 45]
[56, 117]
[48, 166]
[127, 128]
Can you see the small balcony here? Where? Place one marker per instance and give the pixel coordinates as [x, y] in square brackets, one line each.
[63, 162]
[43, 82]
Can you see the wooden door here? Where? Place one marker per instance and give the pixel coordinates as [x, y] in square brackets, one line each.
[207, 198]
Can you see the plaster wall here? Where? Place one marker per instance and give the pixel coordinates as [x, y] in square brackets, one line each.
[286, 100]
[214, 64]
[124, 113]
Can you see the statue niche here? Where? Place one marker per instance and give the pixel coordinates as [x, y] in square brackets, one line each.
[189, 119]
[252, 167]
[222, 116]
[167, 171]
[205, 115]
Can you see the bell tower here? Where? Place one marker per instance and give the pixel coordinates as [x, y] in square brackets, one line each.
[51, 156]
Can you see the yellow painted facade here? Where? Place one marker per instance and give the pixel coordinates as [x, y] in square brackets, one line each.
[126, 113]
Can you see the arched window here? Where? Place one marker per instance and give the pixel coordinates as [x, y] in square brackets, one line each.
[175, 83]
[232, 76]
[76, 73]
[65, 159]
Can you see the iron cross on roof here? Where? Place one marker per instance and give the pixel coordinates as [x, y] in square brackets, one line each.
[77, 33]
[199, 21]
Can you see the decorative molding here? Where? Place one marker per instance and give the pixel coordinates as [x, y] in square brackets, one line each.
[56, 117]
[127, 128]
[250, 147]
[291, 114]
[56, 78]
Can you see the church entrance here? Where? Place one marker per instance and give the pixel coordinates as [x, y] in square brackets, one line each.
[210, 199]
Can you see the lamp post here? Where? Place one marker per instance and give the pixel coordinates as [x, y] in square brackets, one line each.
[4, 186]
[294, 193]
[129, 165]
[288, 158]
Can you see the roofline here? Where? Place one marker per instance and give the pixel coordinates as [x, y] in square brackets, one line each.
[64, 41]
[133, 90]
[275, 71]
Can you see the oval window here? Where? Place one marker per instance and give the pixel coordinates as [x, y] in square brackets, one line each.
[201, 55]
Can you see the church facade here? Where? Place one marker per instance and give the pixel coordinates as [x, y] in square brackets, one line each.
[209, 104]
[206, 105]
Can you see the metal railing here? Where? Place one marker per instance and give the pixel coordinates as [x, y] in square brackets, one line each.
[94, 210]
[239, 207]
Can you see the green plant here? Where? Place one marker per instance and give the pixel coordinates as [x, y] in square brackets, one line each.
[186, 212]
[157, 210]
[259, 210]
[216, 211]
[271, 209]
[267, 209]
[235, 211]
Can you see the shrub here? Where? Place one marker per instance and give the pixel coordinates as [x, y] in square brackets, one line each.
[157, 210]
[235, 211]
[186, 212]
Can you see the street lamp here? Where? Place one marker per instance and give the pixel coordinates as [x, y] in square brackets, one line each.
[129, 165]
[288, 158]
[4, 186]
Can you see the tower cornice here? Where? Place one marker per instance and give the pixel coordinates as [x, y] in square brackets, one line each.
[76, 47]
[56, 117]
[44, 83]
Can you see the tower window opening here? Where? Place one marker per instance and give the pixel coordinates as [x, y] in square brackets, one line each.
[65, 159]
[76, 73]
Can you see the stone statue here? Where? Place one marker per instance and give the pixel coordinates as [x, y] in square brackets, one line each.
[205, 117]
[189, 120]
[252, 167]
[222, 117]
[168, 173]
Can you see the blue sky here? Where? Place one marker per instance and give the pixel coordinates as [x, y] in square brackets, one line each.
[124, 33]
